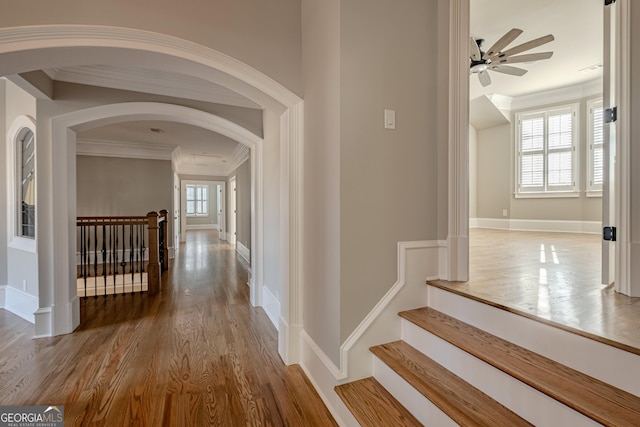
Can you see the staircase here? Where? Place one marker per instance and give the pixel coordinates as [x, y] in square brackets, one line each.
[462, 362]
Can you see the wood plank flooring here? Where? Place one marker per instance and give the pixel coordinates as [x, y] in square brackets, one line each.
[197, 354]
[551, 276]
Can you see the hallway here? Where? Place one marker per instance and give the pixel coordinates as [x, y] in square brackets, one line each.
[197, 354]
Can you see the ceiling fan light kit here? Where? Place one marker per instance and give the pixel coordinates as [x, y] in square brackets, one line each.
[496, 59]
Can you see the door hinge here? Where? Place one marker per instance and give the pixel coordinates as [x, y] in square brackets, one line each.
[609, 234]
[608, 2]
[611, 115]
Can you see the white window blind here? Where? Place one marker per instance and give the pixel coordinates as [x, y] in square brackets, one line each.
[595, 135]
[197, 199]
[546, 150]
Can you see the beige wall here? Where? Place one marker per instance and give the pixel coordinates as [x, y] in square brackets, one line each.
[495, 157]
[117, 186]
[264, 35]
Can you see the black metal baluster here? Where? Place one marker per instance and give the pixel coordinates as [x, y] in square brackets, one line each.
[138, 254]
[95, 260]
[114, 256]
[104, 257]
[87, 263]
[131, 263]
[82, 259]
[143, 249]
[123, 263]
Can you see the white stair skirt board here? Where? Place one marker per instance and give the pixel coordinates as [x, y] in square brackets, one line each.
[243, 251]
[419, 406]
[572, 350]
[20, 303]
[123, 284]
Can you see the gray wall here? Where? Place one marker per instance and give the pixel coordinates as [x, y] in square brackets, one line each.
[366, 187]
[388, 178]
[321, 74]
[243, 203]
[117, 186]
[273, 216]
[212, 217]
[22, 266]
[3, 191]
[473, 172]
[496, 181]
[264, 35]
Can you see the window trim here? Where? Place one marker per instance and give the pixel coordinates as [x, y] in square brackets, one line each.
[593, 190]
[14, 190]
[545, 191]
[196, 214]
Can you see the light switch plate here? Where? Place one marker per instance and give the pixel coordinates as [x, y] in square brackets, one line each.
[389, 119]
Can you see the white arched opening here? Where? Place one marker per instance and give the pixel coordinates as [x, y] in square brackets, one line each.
[22, 48]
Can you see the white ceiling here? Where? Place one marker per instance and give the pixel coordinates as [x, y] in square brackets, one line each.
[577, 26]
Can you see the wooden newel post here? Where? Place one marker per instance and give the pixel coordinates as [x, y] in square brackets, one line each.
[153, 269]
[164, 244]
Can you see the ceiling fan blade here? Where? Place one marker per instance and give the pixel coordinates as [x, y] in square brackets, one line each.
[484, 78]
[502, 43]
[523, 58]
[505, 69]
[526, 46]
[474, 50]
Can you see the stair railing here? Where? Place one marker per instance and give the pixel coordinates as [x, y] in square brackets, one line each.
[121, 254]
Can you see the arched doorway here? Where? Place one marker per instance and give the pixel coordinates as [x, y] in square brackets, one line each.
[22, 50]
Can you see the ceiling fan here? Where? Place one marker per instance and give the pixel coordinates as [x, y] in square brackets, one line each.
[495, 59]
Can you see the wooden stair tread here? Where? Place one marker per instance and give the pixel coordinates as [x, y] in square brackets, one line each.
[595, 399]
[462, 402]
[372, 405]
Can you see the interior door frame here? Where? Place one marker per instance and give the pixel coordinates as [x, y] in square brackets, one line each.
[233, 207]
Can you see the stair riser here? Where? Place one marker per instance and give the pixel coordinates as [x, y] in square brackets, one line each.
[421, 408]
[530, 404]
[609, 364]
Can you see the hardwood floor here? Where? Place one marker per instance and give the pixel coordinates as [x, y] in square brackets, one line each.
[554, 277]
[197, 354]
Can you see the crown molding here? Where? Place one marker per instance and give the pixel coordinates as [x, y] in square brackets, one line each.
[564, 94]
[238, 157]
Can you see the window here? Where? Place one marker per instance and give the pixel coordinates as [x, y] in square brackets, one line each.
[595, 141]
[26, 184]
[197, 200]
[546, 152]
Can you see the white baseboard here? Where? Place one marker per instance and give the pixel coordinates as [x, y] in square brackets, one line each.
[587, 227]
[3, 295]
[243, 251]
[20, 303]
[202, 227]
[271, 306]
[172, 252]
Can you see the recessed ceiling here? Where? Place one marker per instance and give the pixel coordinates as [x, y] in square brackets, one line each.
[577, 26]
